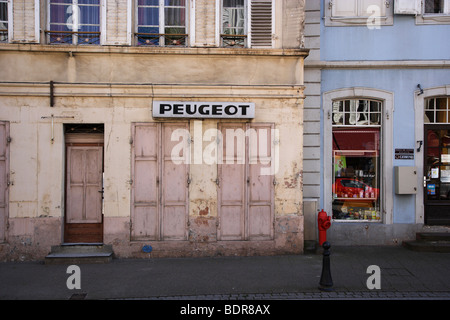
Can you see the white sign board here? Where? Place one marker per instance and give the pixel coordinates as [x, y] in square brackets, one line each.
[195, 109]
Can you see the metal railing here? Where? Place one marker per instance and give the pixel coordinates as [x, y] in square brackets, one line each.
[161, 39]
[73, 37]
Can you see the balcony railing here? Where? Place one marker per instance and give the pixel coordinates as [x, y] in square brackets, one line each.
[233, 40]
[3, 35]
[161, 39]
[73, 37]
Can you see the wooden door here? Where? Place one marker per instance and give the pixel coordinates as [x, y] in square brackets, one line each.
[84, 192]
[4, 181]
[232, 191]
[160, 182]
[260, 182]
[245, 192]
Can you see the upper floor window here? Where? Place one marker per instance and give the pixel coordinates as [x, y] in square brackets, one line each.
[437, 110]
[370, 13]
[437, 6]
[161, 23]
[3, 20]
[74, 22]
[246, 23]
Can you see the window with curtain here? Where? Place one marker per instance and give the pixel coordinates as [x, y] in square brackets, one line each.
[3, 20]
[161, 23]
[234, 33]
[74, 22]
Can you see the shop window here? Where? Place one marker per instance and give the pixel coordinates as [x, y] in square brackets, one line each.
[74, 22]
[161, 23]
[356, 160]
[437, 110]
[3, 20]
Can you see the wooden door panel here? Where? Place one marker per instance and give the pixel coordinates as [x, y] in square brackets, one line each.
[160, 190]
[84, 201]
[174, 186]
[4, 169]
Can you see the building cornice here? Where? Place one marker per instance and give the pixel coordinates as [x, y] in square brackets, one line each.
[72, 49]
[388, 64]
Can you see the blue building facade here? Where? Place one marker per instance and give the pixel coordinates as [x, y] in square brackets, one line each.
[380, 76]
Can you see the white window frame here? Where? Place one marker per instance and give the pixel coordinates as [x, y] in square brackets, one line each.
[387, 98]
[219, 7]
[189, 27]
[361, 19]
[434, 18]
[102, 28]
[248, 23]
[9, 20]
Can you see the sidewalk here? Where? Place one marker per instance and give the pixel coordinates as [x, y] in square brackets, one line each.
[405, 274]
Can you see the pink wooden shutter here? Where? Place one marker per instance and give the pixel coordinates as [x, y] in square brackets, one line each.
[4, 168]
[174, 186]
[261, 193]
[145, 175]
[232, 191]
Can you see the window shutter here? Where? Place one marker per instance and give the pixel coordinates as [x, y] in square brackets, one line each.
[261, 23]
[344, 8]
[205, 23]
[117, 25]
[407, 7]
[368, 4]
[26, 21]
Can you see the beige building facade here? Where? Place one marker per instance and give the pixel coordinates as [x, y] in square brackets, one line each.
[161, 144]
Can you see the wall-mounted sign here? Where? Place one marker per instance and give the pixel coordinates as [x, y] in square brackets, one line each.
[194, 109]
[404, 154]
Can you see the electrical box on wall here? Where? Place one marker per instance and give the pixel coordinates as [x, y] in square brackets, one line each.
[405, 180]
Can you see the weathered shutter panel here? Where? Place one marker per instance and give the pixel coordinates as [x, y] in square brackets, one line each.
[145, 175]
[205, 23]
[260, 183]
[117, 27]
[232, 190]
[366, 4]
[344, 8]
[160, 190]
[4, 129]
[261, 23]
[26, 21]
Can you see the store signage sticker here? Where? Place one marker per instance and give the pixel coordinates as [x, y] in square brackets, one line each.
[195, 109]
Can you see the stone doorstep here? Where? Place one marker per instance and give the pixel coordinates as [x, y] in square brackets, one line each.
[78, 253]
[429, 242]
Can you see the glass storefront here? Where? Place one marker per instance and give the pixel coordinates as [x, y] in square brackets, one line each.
[356, 160]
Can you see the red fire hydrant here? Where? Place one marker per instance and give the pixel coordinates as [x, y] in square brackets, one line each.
[323, 222]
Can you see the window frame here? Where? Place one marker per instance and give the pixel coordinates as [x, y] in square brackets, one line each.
[101, 25]
[161, 35]
[433, 18]
[386, 179]
[245, 35]
[360, 20]
[8, 21]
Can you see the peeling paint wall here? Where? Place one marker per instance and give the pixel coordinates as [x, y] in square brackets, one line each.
[115, 86]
